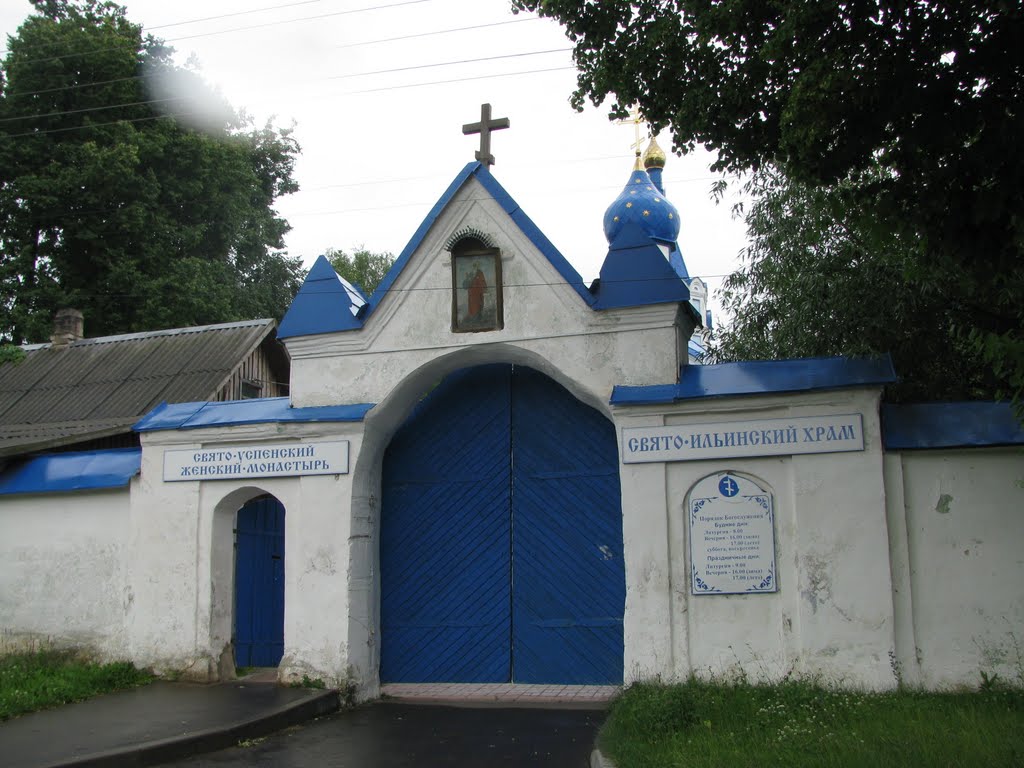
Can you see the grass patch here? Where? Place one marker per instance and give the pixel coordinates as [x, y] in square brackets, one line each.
[794, 724]
[42, 679]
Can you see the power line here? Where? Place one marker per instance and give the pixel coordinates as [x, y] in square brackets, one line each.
[446, 288]
[145, 76]
[92, 109]
[76, 86]
[334, 77]
[79, 214]
[546, 164]
[236, 29]
[437, 32]
[236, 13]
[4, 52]
[447, 63]
[295, 21]
[456, 80]
[46, 131]
[425, 204]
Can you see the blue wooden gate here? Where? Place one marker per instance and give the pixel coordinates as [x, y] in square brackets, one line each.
[259, 583]
[501, 536]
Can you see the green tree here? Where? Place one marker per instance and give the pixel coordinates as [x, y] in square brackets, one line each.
[914, 108]
[116, 200]
[820, 278]
[362, 268]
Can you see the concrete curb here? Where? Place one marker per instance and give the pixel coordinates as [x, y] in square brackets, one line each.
[211, 739]
[598, 760]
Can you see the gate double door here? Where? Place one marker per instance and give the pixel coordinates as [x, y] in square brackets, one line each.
[501, 536]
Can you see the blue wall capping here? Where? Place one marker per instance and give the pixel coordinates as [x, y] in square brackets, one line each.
[232, 412]
[72, 471]
[510, 207]
[949, 425]
[757, 377]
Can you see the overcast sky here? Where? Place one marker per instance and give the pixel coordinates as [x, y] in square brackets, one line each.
[379, 147]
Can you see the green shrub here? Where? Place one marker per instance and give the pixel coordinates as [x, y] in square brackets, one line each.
[42, 679]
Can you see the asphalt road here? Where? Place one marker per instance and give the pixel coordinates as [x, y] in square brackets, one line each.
[389, 735]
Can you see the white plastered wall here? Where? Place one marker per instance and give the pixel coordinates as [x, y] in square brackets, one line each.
[957, 523]
[61, 567]
[181, 566]
[832, 616]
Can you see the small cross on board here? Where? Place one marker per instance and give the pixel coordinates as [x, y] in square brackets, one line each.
[484, 128]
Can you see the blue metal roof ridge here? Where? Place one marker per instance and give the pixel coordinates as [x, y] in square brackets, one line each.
[72, 471]
[235, 412]
[534, 234]
[510, 206]
[421, 232]
[909, 426]
[757, 377]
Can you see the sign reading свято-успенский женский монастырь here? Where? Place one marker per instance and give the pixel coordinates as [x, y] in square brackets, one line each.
[258, 460]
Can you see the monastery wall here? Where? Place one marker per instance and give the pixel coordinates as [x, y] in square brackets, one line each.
[956, 529]
[829, 612]
[62, 571]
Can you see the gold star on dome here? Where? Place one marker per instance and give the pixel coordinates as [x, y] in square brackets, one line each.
[657, 199]
[615, 218]
[650, 188]
[647, 213]
[629, 205]
[671, 216]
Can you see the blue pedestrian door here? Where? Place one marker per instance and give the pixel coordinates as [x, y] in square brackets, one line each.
[501, 536]
[259, 583]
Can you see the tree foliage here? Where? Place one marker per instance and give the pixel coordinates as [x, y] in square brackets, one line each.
[362, 268]
[819, 278]
[114, 202]
[913, 108]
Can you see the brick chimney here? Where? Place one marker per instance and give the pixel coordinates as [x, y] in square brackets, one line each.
[68, 326]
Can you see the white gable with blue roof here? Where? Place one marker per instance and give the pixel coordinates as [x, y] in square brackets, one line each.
[639, 305]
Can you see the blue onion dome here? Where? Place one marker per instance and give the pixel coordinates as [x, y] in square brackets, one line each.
[643, 203]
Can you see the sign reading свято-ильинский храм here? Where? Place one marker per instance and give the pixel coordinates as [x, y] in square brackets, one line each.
[258, 460]
[757, 437]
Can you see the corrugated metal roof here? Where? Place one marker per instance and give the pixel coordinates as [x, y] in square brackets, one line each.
[112, 381]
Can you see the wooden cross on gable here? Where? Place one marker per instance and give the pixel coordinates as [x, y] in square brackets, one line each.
[484, 128]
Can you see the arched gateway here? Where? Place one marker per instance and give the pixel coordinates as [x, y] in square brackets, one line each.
[501, 536]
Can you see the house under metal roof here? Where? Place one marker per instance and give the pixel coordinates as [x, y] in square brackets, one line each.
[89, 392]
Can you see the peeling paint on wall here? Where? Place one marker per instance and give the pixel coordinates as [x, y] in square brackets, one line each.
[819, 582]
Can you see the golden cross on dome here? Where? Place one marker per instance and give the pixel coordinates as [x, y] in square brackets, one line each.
[637, 120]
[484, 128]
